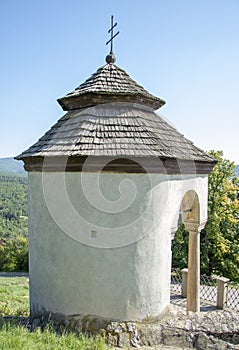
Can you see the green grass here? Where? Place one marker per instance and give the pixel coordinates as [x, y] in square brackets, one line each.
[20, 338]
[14, 296]
[14, 301]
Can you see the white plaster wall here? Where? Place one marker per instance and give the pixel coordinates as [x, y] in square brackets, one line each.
[109, 255]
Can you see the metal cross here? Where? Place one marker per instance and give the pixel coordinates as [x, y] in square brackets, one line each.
[111, 30]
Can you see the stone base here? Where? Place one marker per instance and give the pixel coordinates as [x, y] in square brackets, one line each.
[207, 330]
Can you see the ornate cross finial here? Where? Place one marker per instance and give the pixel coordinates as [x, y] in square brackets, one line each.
[111, 58]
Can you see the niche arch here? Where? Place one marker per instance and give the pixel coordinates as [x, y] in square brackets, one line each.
[190, 208]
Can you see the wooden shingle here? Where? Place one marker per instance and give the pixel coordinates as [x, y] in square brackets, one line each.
[109, 84]
[140, 132]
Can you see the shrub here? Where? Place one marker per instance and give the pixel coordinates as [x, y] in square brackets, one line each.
[14, 254]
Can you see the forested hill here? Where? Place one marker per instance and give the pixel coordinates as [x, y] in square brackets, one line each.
[11, 167]
[13, 222]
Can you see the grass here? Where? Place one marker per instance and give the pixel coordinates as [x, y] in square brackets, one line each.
[14, 296]
[20, 338]
[14, 301]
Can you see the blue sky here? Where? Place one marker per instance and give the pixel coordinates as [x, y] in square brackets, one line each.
[184, 51]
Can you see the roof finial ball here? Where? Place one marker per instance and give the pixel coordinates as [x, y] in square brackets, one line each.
[111, 57]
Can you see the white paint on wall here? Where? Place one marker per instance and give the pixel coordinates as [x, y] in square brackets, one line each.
[113, 262]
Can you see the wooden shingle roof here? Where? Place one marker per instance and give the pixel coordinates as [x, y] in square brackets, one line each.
[110, 115]
[109, 84]
[117, 129]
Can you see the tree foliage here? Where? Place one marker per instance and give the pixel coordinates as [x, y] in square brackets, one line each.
[220, 238]
[13, 224]
[180, 247]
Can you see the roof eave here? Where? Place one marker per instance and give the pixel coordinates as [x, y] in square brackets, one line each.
[73, 102]
[168, 166]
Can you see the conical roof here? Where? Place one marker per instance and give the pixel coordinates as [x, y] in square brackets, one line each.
[110, 115]
[108, 84]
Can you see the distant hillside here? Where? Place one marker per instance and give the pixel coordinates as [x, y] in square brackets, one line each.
[11, 167]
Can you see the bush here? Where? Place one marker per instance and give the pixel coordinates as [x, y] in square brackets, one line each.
[14, 254]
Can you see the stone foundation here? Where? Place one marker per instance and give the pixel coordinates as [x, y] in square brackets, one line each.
[207, 330]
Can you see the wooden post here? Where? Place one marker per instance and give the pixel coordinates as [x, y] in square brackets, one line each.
[222, 283]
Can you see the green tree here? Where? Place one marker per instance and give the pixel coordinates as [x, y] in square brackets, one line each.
[180, 247]
[220, 239]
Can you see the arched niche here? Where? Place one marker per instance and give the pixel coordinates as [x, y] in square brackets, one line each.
[190, 208]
